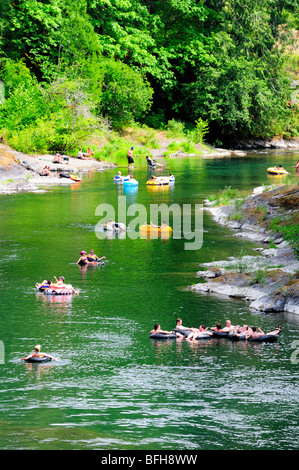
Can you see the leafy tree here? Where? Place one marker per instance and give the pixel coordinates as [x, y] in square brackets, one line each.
[245, 91]
[222, 60]
[125, 94]
[47, 33]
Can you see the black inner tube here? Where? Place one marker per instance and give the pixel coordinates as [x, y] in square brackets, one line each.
[163, 336]
[38, 359]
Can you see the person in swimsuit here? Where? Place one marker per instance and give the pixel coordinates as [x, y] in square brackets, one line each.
[83, 260]
[38, 354]
[57, 158]
[44, 284]
[256, 332]
[130, 158]
[157, 330]
[217, 328]
[198, 331]
[92, 257]
[59, 282]
[179, 326]
[297, 166]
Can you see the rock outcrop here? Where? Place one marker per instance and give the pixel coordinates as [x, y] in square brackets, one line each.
[270, 280]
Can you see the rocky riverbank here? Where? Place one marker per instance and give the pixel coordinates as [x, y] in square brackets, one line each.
[255, 144]
[21, 172]
[270, 279]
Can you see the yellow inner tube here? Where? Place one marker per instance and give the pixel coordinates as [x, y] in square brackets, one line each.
[148, 229]
[277, 171]
[159, 181]
[75, 178]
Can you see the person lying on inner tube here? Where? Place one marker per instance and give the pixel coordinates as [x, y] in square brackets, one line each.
[60, 283]
[256, 332]
[44, 284]
[49, 283]
[179, 326]
[93, 257]
[198, 331]
[116, 226]
[157, 330]
[38, 354]
[151, 225]
[279, 167]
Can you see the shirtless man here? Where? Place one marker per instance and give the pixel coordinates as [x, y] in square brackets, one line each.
[256, 332]
[157, 330]
[130, 158]
[229, 326]
[198, 331]
[179, 326]
[38, 354]
[217, 328]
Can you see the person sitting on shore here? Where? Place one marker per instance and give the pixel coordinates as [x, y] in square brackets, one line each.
[57, 158]
[46, 171]
[39, 354]
[81, 155]
[157, 330]
[89, 153]
[256, 332]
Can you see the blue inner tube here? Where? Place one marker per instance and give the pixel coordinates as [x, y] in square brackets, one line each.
[131, 183]
[42, 288]
[163, 336]
[38, 359]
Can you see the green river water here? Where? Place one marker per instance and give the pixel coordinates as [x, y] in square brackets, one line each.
[114, 388]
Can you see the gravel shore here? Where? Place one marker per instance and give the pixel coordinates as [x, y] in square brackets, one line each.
[21, 172]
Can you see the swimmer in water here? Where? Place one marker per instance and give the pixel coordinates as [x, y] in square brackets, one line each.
[39, 354]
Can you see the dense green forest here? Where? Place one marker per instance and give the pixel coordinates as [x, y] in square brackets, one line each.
[72, 69]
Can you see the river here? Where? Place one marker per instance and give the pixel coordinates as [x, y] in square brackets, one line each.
[115, 388]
